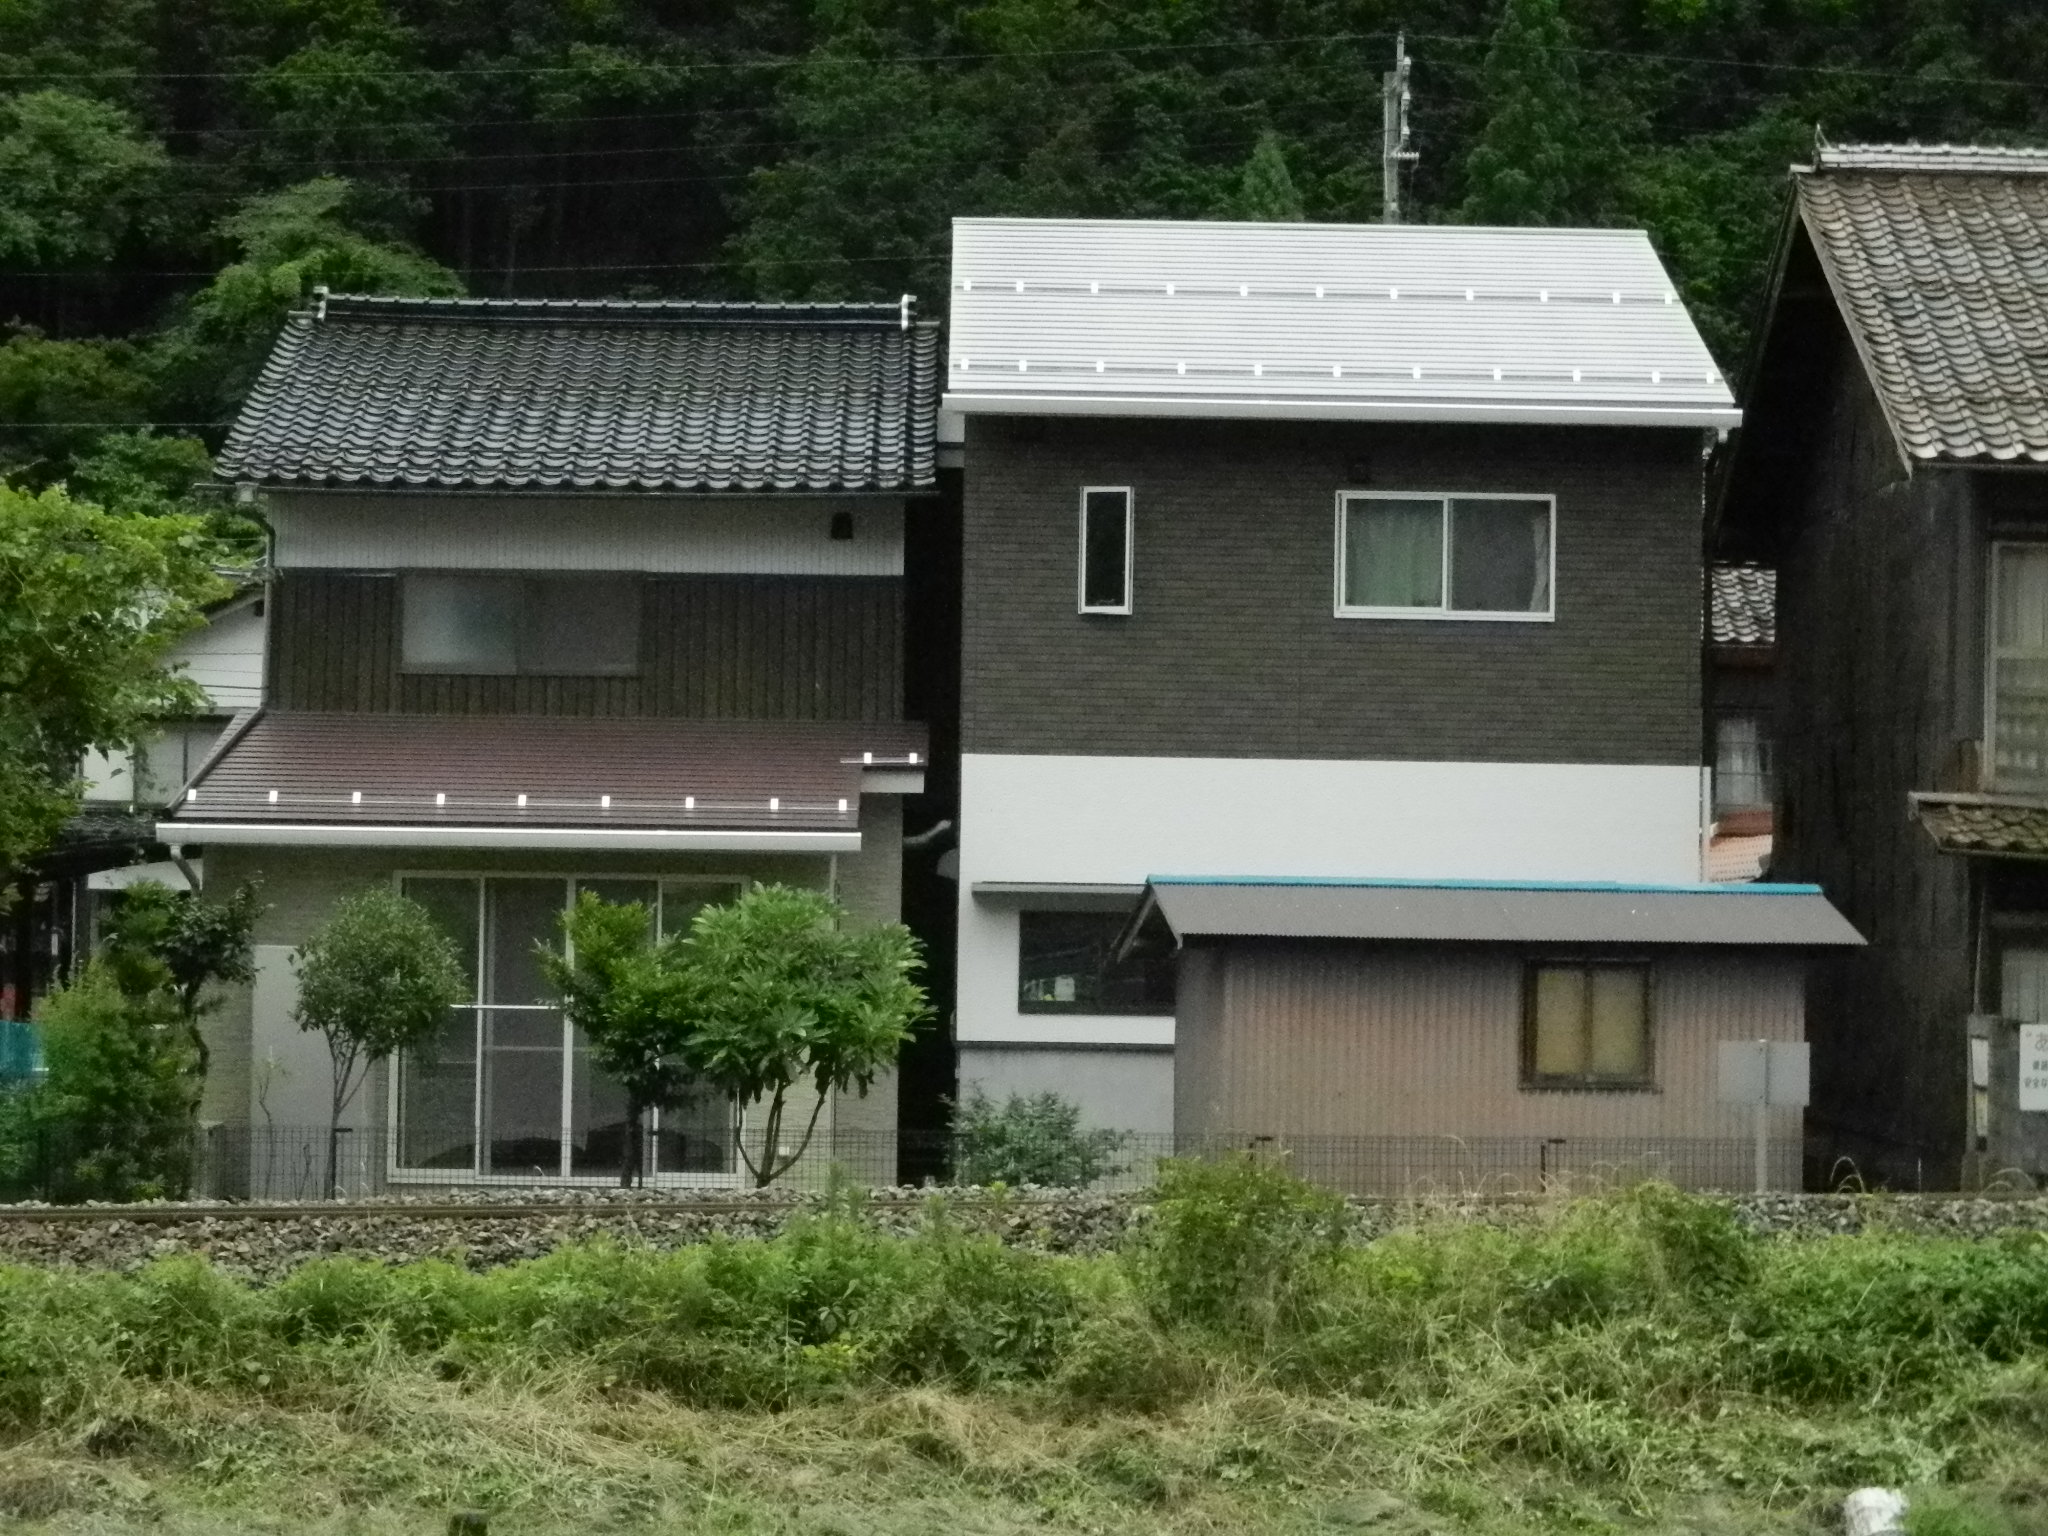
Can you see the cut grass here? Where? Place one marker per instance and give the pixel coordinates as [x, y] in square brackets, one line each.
[1636, 1364]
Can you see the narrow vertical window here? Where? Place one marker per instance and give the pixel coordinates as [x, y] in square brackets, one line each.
[1105, 550]
[2019, 667]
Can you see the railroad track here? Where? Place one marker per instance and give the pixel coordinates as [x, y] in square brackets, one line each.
[167, 1215]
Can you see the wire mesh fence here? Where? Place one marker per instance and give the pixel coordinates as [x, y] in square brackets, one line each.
[290, 1163]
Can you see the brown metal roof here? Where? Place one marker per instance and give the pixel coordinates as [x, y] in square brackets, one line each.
[509, 771]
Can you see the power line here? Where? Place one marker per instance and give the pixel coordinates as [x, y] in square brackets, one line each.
[735, 66]
[824, 55]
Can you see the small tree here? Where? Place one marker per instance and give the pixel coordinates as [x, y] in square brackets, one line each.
[112, 1116]
[635, 998]
[791, 996]
[378, 978]
[1266, 191]
[170, 940]
[1030, 1140]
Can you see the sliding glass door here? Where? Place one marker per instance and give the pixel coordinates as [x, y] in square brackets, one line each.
[508, 1090]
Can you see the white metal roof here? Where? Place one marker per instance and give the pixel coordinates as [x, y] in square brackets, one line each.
[1417, 322]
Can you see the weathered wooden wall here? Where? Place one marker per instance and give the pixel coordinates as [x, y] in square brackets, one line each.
[712, 647]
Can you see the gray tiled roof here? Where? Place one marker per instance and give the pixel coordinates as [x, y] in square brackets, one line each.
[1938, 256]
[607, 394]
[1742, 604]
[1985, 824]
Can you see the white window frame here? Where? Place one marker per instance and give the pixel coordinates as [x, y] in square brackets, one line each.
[1993, 654]
[1130, 549]
[397, 1173]
[1443, 610]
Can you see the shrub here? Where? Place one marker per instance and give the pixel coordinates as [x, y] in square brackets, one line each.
[973, 1312]
[1237, 1243]
[111, 1119]
[1030, 1140]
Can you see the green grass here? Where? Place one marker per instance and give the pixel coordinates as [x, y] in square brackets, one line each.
[1632, 1363]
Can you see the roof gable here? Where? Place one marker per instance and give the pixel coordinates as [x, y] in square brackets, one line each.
[1937, 257]
[1323, 321]
[594, 394]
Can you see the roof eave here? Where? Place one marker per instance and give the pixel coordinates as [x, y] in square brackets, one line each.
[347, 835]
[1245, 408]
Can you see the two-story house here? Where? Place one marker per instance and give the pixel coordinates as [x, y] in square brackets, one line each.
[1344, 582]
[563, 596]
[1892, 465]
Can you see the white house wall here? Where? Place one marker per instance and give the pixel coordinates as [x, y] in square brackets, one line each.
[654, 534]
[225, 657]
[1120, 820]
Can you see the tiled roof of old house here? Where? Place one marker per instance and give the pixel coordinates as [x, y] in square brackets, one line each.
[1985, 824]
[1938, 258]
[1742, 604]
[594, 394]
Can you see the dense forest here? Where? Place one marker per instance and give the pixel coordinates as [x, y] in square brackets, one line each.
[174, 174]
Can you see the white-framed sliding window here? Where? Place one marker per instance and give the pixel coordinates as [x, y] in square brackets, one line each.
[1488, 555]
[1107, 527]
[507, 1093]
[2016, 673]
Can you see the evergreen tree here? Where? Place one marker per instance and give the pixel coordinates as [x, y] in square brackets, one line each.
[1265, 191]
[1521, 169]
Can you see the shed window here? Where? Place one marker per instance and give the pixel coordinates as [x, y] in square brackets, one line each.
[1587, 1026]
[1106, 550]
[2019, 667]
[547, 626]
[1066, 964]
[1427, 556]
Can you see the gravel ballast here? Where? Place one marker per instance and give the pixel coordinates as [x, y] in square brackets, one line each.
[504, 1226]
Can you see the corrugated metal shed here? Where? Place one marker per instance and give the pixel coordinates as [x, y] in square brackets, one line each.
[1323, 321]
[1502, 913]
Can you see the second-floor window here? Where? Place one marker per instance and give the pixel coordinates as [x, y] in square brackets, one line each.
[548, 626]
[1743, 778]
[1105, 549]
[1456, 557]
[2018, 702]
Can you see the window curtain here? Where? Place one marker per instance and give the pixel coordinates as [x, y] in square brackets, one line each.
[1500, 556]
[2020, 668]
[1394, 554]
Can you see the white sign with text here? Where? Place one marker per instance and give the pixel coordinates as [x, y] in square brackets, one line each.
[2034, 1067]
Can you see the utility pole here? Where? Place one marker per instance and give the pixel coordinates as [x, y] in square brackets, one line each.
[1394, 150]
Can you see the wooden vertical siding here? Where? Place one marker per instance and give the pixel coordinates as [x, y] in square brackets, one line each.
[1324, 1040]
[712, 647]
[334, 641]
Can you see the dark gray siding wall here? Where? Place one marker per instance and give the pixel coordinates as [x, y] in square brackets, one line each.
[1878, 665]
[712, 647]
[1233, 649]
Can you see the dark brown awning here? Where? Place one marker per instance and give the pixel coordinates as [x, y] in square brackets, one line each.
[529, 781]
